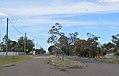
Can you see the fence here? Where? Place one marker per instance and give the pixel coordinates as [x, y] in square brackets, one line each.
[11, 53]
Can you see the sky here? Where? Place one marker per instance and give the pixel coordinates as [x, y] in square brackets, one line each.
[36, 17]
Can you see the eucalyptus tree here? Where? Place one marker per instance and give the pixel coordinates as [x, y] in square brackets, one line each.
[60, 40]
[67, 42]
[93, 44]
[71, 40]
[108, 46]
[63, 41]
[81, 48]
[115, 40]
[55, 34]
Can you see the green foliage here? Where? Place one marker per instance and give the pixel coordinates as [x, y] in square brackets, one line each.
[108, 46]
[80, 47]
[54, 32]
[115, 40]
[87, 48]
[71, 40]
[72, 45]
[116, 53]
[55, 35]
[11, 45]
[20, 45]
[40, 51]
[61, 42]
[115, 61]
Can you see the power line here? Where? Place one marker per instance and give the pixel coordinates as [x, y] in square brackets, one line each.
[15, 27]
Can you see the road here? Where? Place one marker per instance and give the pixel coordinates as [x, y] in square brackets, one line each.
[84, 60]
[39, 67]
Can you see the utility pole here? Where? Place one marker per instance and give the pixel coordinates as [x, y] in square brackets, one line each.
[7, 38]
[25, 43]
[0, 38]
[0, 42]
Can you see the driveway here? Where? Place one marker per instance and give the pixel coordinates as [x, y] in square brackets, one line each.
[38, 67]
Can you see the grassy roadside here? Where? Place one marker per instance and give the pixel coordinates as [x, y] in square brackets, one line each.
[10, 60]
[66, 63]
[108, 60]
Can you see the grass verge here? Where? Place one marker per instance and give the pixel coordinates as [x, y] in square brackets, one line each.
[65, 63]
[10, 60]
[108, 60]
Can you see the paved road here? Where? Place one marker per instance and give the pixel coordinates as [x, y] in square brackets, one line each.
[84, 60]
[39, 67]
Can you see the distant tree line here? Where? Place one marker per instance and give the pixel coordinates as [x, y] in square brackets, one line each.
[18, 46]
[72, 45]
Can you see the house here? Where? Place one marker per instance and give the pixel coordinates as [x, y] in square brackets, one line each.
[2, 47]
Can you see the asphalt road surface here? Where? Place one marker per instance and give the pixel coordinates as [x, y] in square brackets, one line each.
[39, 67]
[84, 60]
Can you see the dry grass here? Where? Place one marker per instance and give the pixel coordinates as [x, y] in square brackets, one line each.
[108, 60]
[66, 63]
[10, 60]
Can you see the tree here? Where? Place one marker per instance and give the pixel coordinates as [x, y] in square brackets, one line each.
[2, 46]
[11, 45]
[54, 32]
[20, 45]
[93, 44]
[55, 35]
[67, 43]
[60, 41]
[40, 51]
[63, 41]
[71, 40]
[108, 46]
[81, 48]
[72, 37]
[92, 39]
[52, 49]
[115, 40]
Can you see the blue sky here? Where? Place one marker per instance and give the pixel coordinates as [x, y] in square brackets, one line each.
[35, 17]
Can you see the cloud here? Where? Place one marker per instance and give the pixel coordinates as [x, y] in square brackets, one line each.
[90, 27]
[113, 26]
[49, 21]
[3, 14]
[37, 28]
[45, 14]
[112, 1]
[62, 8]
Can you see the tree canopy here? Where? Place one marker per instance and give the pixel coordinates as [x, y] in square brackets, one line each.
[72, 45]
